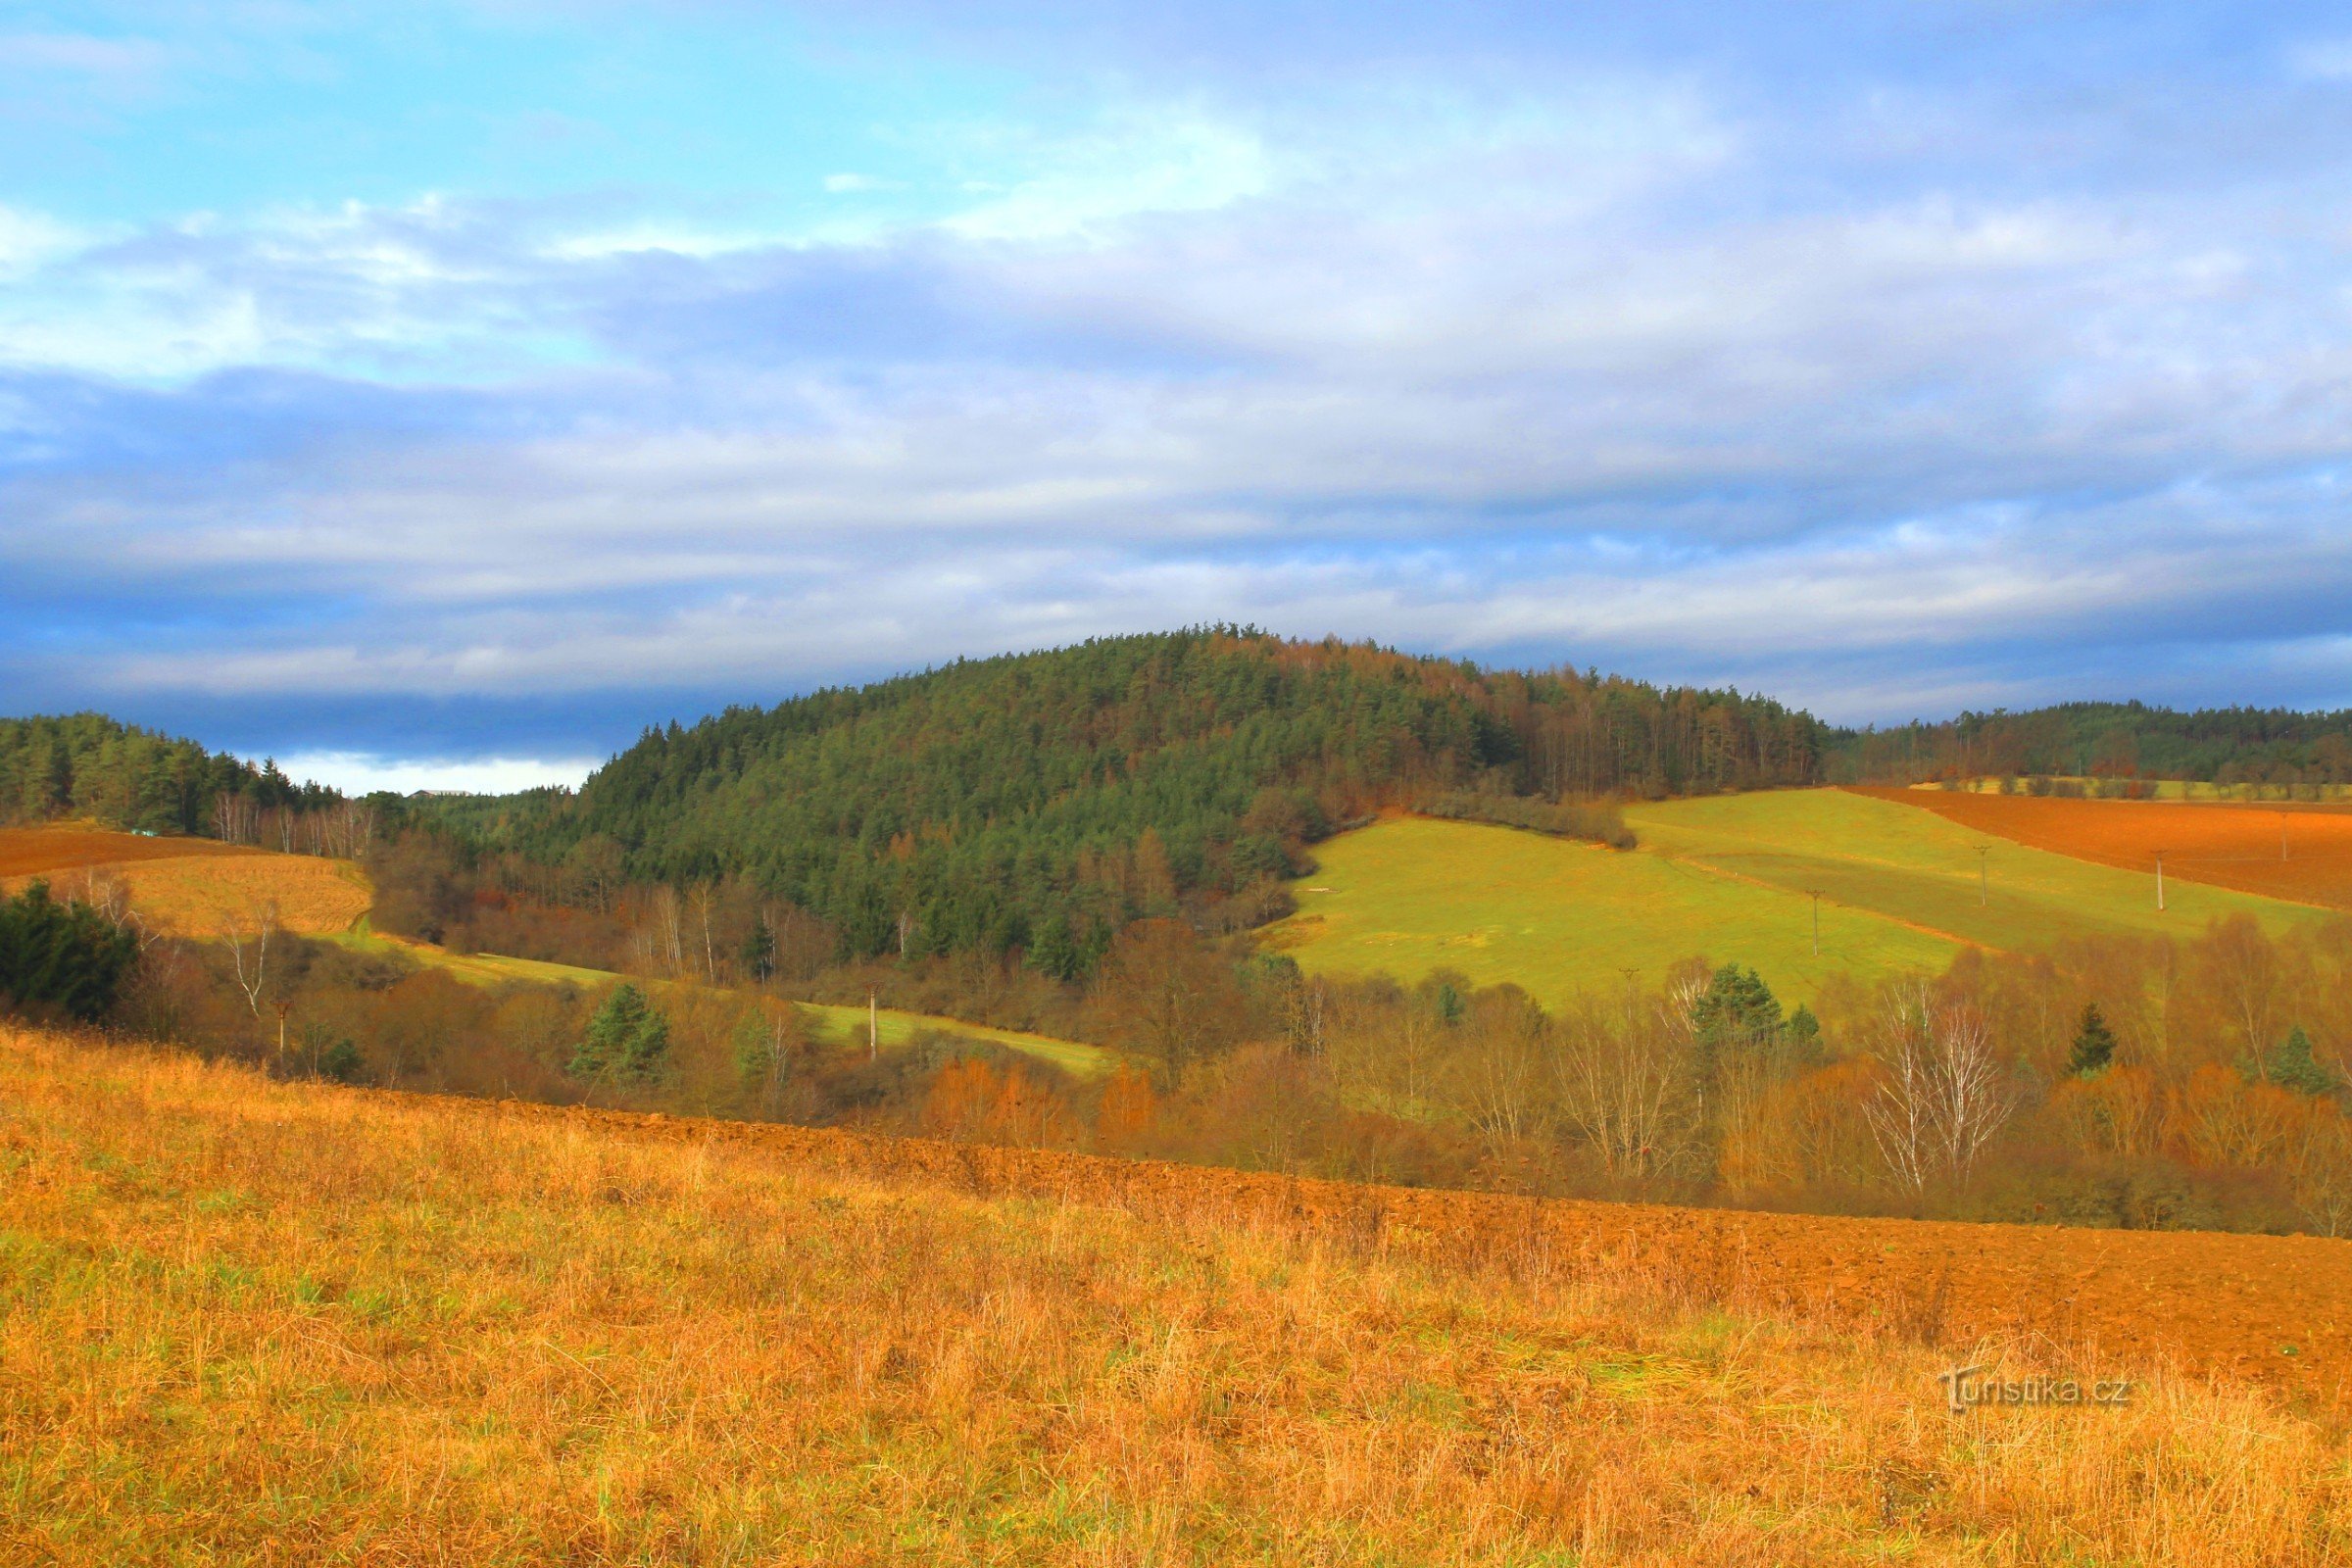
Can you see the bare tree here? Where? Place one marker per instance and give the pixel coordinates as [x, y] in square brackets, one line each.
[1624, 1084]
[248, 939]
[1941, 1097]
[1502, 1072]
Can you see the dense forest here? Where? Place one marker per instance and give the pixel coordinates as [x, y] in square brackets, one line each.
[1052, 797]
[2271, 746]
[91, 766]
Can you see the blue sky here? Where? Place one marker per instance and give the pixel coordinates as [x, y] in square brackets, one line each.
[442, 392]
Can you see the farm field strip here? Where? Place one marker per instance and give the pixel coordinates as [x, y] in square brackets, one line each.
[2217, 843]
[67, 846]
[194, 886]
[1729, 877]
[1982, 888]
[1557, 917]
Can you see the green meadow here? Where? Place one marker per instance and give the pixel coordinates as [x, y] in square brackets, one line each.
[1726, 877]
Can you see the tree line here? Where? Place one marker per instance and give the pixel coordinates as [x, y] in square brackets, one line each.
[2116, 742]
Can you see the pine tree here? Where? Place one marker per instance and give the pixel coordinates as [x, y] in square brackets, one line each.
[2291, 1065]
[61, 957]
[2094, 1044]
[760, 950]
[627, 1040]
[1736, 1005]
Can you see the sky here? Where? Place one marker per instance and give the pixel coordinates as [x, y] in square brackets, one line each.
[437, 394]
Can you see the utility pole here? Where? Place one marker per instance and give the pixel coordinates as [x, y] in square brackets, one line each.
[2159, 881]
[873, 1026]
[2282, 835]
[1984, 877]
[1815, 894]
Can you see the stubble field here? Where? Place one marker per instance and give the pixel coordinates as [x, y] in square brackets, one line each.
[249, 1322]
[192, 886]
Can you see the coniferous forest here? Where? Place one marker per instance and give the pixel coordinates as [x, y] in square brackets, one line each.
[1050, 798]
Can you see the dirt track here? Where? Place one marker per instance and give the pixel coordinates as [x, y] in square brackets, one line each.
[2225, 844]
[2275, 1309]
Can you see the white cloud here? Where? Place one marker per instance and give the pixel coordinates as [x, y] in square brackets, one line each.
[364, 773]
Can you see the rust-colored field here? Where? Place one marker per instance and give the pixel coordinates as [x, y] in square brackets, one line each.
[61, 846]
[192, 886]
[2275, 1309]
[2222, 843]
[256, 1321]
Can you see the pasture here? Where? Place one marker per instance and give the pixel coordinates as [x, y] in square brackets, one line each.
[1726, 877]
[250, 1322]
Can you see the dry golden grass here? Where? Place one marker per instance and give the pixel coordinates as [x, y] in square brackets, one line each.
[248, 1322]
[194, 893]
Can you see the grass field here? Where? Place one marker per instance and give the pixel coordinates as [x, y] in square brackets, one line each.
[257, 1322]
[192, 886]
[1726, 877]
[847, 1023]
[2278, 850]
[896, 1028]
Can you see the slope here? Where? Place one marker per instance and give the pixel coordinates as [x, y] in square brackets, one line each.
[2280, 850]
[1729, 877]
[256, 1321]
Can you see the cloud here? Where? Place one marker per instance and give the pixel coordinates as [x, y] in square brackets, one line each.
[364, 773]
[1885, 394]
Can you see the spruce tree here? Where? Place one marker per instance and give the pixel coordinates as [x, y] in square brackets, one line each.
[2291, 1065]
[627, 1040]
[2094, 1044]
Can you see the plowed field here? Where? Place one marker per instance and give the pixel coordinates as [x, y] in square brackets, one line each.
[191, 885]
[31, 851]
[2302, 852]
[2274, 1309]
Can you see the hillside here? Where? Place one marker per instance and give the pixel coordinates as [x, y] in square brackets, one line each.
[250, 1320]
[1729, 877]
[1043, 800]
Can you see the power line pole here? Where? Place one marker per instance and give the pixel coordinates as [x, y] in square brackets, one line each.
[1816, 895]
[2159, 881]
[873, 1027]
[1984, 877]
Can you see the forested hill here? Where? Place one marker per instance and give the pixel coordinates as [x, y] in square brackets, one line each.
[1041, 799]
[86, 764]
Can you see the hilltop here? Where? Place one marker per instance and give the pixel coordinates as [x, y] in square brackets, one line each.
[1042, 800]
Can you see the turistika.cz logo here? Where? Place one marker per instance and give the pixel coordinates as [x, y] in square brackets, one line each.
[1970, 1388]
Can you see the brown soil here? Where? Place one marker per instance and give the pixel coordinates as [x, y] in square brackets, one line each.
[192, 886]
[2274, 1309]
[59, 847]
[2222, 843]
